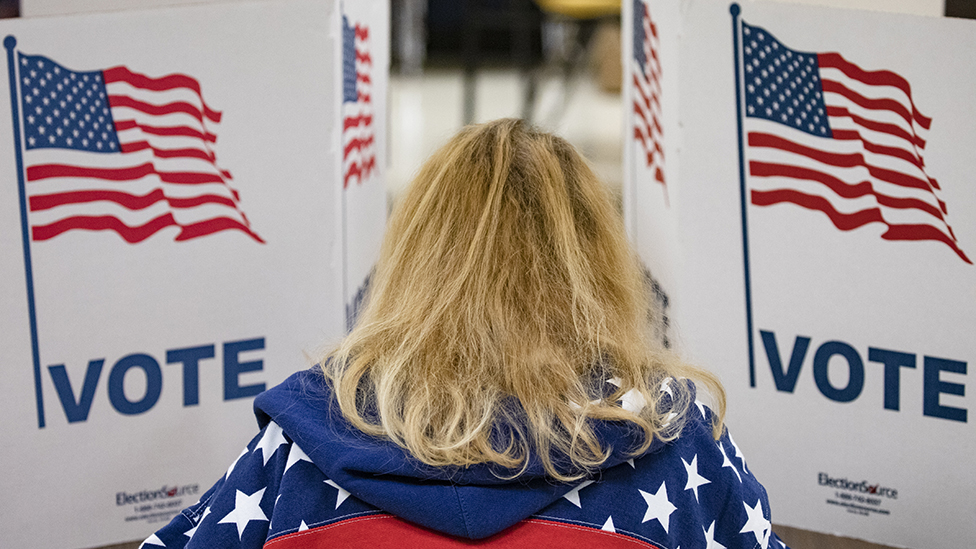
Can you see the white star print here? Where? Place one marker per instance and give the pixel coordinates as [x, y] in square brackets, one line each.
[573, 495]
[246, 509]
[756, 523]
[243, 452]
[694, 479]
[701, 407]
[294, 456]
[302, 527]
[152, 540]
[710, 542]
[341, 496]
[272, 439]
[667, 420]
[738, 452]
[632, 400]
[631, 463]
[608, 525]
[666, 387]
[658, 506]
[726, 462]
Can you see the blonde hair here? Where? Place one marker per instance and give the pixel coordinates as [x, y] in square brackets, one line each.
[506, 274]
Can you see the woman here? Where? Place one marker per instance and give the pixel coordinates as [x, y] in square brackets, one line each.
[501, 387]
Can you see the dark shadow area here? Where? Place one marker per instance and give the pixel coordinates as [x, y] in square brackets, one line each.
[960, 8]
[489, 27]
[9, 8]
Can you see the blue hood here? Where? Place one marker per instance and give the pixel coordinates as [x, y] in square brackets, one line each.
[472, 502]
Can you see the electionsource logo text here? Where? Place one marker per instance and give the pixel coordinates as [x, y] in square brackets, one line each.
[863, 486]
[166, 492]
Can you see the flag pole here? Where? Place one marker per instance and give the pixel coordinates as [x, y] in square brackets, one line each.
[734, 9]
[10, 43]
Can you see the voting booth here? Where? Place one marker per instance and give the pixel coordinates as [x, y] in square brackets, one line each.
[799, 182]
[192, 206]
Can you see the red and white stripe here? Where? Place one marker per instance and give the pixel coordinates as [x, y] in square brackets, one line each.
[358, 139]
[871, 171]
[647, 99]
[166, 174]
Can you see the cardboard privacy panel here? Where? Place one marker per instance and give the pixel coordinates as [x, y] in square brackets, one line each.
[799, 183]
[193, 201]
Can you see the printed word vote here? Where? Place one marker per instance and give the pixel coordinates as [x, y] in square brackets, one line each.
[933, 386]
[77, 406]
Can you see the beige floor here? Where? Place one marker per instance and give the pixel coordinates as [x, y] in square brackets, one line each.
[804, 539]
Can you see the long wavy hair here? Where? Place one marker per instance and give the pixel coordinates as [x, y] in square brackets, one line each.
[506, 276]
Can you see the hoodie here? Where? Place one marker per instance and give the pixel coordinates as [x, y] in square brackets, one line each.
[309, 479]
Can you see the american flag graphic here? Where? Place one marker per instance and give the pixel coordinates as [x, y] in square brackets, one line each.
[358, 150]
[120, 151]
[647, 90]
[826, 135]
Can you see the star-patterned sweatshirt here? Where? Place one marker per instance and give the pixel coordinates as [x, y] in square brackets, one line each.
[310, 480]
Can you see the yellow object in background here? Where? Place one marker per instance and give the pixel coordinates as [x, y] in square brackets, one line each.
[581, 9]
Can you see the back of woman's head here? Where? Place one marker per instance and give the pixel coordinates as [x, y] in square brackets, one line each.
[505, 274]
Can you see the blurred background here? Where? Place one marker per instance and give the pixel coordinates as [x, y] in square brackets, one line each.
[556, 63]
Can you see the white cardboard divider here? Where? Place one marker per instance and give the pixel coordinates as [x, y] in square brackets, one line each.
[150, 294]
[819, 263]
[38, 8]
